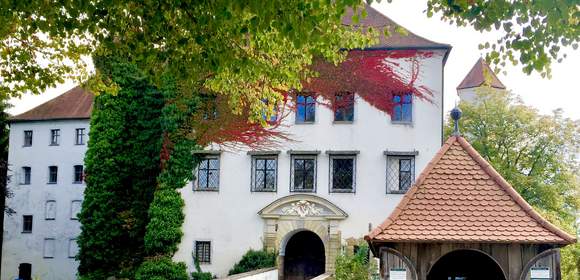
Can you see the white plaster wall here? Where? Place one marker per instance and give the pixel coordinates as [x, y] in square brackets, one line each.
[468, 95]
[30, 199]
[229, 219]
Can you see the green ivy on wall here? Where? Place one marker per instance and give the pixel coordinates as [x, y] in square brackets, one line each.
[122, 166]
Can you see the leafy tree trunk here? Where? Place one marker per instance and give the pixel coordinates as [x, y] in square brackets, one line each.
[122, 166]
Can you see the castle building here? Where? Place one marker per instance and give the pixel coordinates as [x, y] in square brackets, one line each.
[308, 199]
[46, 153]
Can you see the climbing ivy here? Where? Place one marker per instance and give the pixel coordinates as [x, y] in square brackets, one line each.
[122, 165]
[177, 162]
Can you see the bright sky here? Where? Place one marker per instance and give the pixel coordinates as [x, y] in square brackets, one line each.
[544, 94]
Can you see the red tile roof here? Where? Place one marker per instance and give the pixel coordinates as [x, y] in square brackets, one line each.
[76, 103]
[459, 197]
[396, 40]
[477, 77]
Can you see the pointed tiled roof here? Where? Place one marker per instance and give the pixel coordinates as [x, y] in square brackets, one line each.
[76, 103]
[477, 76]
[396, 40]
[459, 197]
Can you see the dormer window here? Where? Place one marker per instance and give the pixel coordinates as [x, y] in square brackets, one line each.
[344, 107]
[403, 108]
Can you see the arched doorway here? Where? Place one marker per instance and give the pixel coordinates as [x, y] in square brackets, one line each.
[304, 256]
[465, 265]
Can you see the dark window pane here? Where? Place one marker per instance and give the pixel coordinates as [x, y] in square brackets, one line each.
[203, 251]
[27, 172]
[342, 173]
[27, 223]
[52, 174]
[344, 107]
[78, 175]
[208, 174]
[403, 108]
[54, 136]
[28, 138]
[80, 136]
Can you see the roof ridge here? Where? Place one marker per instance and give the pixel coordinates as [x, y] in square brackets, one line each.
[517, 198]
[411, 192]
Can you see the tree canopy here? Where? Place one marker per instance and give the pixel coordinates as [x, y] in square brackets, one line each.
[537, 154]
[247, 50]
[534, 32]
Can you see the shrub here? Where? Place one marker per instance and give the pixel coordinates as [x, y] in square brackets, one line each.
[198, 274]
[253, 260]
[354, 267]
[161, 268]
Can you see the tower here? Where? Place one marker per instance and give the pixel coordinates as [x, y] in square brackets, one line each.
[480, 76]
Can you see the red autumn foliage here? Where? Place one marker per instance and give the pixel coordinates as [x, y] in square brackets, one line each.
[375, 76]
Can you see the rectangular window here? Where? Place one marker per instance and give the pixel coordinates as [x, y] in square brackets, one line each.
[52, 174]
[50, 210]
[49, 247]
[344, 107]
[342, 173]
[75, 209]
[26, 223]
[208, 173]
[303, 173]
[80, 136]
[264, 171]
[403, 108]
[203, 251]
[73, 248]
[305, 109]
[78, 174]
[54, 137]
[28, 138]
[400, 173]
[26, 175]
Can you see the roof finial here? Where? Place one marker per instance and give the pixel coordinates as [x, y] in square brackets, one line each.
[456, 115]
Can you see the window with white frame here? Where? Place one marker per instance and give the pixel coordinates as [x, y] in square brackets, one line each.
[52, 174]
[303, 173]
[49, 248]
[79, 136]
[50, 210]
[202, 251]
[342, 172]
[54, 137]
[75, 209]
[27, 138]
[264, 173]
[208, 173]
[26, 175]
[400, 172]
[73, 248]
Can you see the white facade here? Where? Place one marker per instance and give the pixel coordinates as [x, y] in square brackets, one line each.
[50, 246]
[229, 219]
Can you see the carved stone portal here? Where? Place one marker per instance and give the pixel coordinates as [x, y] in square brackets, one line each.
[302, 212]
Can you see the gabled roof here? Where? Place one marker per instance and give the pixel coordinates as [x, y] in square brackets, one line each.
[76, 103]
[477, 77]
[396, 40]
[459, 197]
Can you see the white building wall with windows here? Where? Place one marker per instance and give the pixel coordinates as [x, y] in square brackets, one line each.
[49, 247]
[228, 217]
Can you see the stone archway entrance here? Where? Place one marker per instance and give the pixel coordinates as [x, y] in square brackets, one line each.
[465, 265]
[293, 214]
[304, 256]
